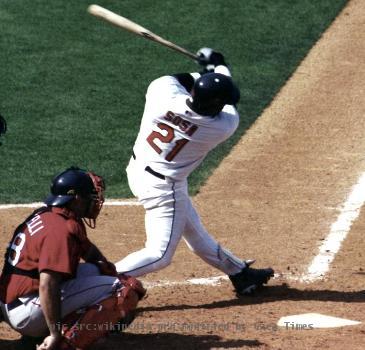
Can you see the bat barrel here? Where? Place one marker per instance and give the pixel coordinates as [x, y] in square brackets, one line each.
[125, 23]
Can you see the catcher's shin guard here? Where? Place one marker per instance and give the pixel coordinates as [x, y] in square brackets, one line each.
[83, 327]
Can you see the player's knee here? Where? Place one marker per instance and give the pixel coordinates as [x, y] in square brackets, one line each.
[162, 263]
[162, 259]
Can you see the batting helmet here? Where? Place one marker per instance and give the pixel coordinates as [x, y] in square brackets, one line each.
[211, 92]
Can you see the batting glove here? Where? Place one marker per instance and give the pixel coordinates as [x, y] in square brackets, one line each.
[209, 58]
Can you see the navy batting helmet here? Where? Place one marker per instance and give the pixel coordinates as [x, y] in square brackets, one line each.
[212, 91]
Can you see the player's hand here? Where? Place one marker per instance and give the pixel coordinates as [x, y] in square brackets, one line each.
[107, 268]
[51, 342]
[209, 58]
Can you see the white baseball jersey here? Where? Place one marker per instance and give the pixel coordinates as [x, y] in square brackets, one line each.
[173, 140]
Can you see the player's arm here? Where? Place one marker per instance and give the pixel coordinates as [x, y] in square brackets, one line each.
[94, 256]
[186, 80]
[211, 60]
[50, 298]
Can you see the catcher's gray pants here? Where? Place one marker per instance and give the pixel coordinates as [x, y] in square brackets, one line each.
[170, 216]
[88, 288]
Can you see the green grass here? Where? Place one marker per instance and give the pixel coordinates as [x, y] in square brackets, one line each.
[72, 87]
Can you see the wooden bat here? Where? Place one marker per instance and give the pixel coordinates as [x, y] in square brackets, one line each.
[135, 28]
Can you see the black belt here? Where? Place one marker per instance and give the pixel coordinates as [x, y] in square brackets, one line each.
[13, 304]
[150, 170]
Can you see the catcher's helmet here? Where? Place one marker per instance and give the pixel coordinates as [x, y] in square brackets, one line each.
[212, 91]
[67, 184]
[74, 181]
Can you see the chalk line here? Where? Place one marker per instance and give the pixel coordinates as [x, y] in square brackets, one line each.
[338, 232]
[207, 281]
[108, 202]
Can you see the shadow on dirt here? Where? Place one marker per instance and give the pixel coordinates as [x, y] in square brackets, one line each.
[160, 341]
[271, 294]
[164, 341]
[151, 341]
[10, 345]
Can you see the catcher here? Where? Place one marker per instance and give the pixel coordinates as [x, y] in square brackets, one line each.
[44, 289]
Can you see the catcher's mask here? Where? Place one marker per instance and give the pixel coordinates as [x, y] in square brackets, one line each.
[211, 92]
[74, 181]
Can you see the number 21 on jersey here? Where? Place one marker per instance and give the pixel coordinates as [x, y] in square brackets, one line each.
[167, 135]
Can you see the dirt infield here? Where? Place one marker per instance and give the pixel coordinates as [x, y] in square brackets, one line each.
[274, 198]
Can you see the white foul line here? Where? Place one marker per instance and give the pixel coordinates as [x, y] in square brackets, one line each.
[108, 202]
[338, 232]
[209, 281]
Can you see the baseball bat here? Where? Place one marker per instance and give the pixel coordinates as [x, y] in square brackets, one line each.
[125, 23]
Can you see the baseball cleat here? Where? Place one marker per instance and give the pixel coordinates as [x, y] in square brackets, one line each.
[249, 279]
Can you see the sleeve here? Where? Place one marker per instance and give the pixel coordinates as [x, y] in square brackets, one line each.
[222, 70]
[231, 119]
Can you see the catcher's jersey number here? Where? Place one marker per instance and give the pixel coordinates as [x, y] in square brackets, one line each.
[17, 244]
[168, 137]
[16, 247]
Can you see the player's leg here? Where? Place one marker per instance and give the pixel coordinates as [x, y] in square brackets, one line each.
[75, 294]
[206, 247]
[244, 278]
[164, 223]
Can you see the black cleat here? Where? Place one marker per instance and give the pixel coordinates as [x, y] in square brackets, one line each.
[249, 279]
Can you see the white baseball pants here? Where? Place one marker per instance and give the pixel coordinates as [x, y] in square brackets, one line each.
[169, 216]
[88, 288]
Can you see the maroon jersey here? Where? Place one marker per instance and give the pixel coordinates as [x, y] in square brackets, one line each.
[50, 239]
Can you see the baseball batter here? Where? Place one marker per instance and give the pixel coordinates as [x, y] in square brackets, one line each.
[43, 282]
[185, 116]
